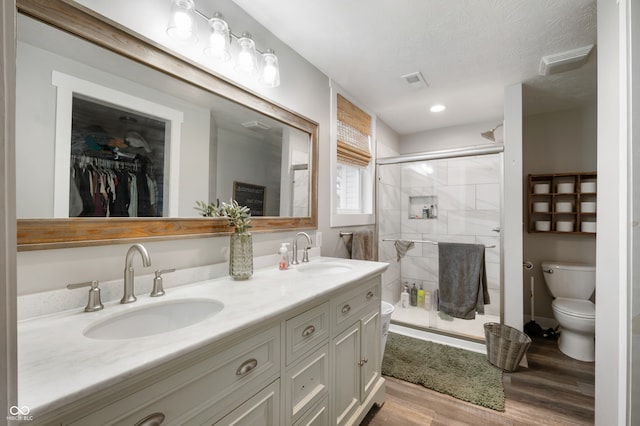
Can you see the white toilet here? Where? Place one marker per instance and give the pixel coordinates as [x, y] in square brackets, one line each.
[571, 285]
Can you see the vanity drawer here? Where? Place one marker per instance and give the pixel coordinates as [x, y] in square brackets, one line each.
[306, 382]
[261, 409]
[206, 390]
[349, 306]
[317, 416]
[306, 331]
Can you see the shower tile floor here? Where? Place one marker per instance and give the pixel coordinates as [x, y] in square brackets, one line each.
[419, 317]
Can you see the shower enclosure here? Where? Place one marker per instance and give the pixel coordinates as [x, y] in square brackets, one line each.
[444, 196]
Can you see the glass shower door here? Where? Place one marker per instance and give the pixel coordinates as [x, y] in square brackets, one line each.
[440, 200]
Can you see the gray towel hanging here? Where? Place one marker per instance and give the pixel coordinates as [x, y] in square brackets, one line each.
[462, 279]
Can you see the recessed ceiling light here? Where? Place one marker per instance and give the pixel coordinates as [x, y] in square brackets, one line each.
[437, 108]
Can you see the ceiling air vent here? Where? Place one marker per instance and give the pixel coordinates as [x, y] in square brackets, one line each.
[415, 80]
[256, 125]
[564, 61]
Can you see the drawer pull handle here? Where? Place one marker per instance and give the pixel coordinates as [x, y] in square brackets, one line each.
[346, 309]
[370, 295]
[308, 331]
[154, 419]
[247, 366]
[363, 361]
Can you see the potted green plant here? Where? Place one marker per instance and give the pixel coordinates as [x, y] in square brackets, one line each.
[241, 241]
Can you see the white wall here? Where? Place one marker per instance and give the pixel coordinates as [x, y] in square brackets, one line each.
[8, 356]
[611, 250]
[388, 140]
[556, 142]
[511, 231]
[464, 136]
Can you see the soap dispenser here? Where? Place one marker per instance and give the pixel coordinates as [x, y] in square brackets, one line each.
[284, 257]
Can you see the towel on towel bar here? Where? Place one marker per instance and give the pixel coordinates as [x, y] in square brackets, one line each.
[402, 247]
[362, 245]
[462, 279]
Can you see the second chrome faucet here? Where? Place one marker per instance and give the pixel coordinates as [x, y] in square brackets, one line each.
[129, 295]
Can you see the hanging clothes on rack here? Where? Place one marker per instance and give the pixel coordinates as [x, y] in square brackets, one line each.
[111, 188]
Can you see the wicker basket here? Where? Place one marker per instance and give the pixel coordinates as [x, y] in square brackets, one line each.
[505, 345]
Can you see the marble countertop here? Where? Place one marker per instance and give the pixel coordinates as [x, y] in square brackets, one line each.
[57, 364]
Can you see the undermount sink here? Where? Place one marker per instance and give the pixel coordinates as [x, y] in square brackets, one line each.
[160, 317]
[324, 268]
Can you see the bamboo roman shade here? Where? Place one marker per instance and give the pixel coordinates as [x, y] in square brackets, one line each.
[354, 132]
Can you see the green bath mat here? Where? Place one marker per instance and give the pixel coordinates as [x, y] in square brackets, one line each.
[457, 372]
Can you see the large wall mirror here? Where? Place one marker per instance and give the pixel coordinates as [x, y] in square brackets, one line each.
[117, 138]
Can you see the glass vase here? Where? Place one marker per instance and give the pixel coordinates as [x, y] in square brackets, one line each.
[240, 255]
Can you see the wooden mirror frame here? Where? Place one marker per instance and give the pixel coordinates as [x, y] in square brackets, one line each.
[38, 234]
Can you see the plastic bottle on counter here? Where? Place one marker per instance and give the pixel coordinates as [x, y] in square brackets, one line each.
[427, 300]
[414, 295]
[284, 257]
[420, 297]
[404, 297]
[425, 212]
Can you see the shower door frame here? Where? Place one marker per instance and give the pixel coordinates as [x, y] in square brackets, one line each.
[448, 154]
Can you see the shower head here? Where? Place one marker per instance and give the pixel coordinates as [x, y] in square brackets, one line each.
[489, 134]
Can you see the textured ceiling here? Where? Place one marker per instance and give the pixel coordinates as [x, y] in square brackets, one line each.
[467, 50]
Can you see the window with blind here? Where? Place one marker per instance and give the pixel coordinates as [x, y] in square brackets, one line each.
[353, 171]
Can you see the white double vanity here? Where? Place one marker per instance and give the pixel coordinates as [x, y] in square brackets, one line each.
[294, 347]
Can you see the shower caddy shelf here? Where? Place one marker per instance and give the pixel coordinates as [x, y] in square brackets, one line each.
[575, 198]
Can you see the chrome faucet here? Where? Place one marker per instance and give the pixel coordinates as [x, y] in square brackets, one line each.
[305, 254]
[129, 297]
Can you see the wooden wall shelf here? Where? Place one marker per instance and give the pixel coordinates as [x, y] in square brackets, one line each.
[562, 203]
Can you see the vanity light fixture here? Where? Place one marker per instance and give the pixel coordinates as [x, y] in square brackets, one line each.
[437, 108]
[182, 20]
[247, 63]
[270, 75]
[249, 60]
[219, 46]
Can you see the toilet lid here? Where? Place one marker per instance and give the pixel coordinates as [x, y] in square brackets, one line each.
[575, 307]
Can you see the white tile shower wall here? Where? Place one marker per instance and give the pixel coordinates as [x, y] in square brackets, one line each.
[389, 209]
[468, 191]
[474, 170]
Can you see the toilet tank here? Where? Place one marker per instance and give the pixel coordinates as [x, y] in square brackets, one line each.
[571, 280]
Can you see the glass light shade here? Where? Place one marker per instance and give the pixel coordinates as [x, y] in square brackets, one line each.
[182, 21]
[219, 39]
[247, 62]
[270, 74]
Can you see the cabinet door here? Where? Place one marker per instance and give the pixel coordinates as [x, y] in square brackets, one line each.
[263, 409]
[370, 356]
[346, 356]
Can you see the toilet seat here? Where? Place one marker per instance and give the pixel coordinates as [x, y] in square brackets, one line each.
[575, 308]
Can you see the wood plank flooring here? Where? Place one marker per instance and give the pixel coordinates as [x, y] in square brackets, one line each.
[553, 390]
